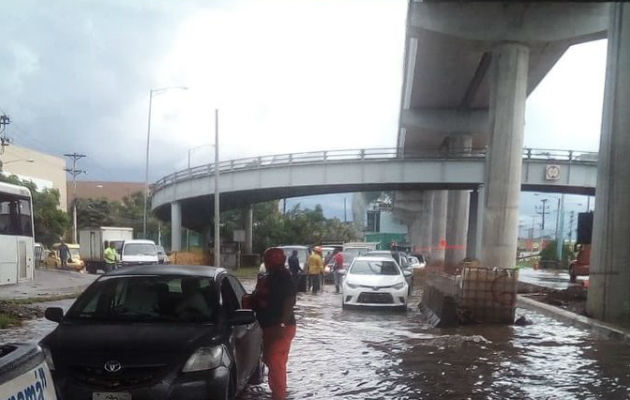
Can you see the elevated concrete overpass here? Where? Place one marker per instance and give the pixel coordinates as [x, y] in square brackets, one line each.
[242, 182]
[469, 67]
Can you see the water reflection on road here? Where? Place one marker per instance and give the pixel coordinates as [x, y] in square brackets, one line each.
[357, 354]
[360, 354]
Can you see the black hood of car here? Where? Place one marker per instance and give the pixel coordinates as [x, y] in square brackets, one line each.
[74, 343]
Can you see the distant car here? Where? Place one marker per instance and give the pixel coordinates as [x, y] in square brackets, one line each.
[375, 281]
[416, 262]
[53, 260]
[162, 256]
[156, 332]
[139, 252]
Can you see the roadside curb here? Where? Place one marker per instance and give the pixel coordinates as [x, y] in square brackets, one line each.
[597, 327]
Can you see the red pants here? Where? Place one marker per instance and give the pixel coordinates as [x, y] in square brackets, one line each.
[276, 346]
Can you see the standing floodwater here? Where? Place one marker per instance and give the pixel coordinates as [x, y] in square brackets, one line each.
[364, 354]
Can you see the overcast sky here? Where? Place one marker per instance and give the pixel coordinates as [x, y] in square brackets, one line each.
[288, 76]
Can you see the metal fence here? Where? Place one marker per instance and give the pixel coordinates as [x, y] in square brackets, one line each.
[360, 155]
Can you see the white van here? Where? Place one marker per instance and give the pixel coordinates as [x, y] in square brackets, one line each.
[138, 252]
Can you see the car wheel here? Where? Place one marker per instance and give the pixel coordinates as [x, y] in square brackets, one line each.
[343, 303]
[258, 376]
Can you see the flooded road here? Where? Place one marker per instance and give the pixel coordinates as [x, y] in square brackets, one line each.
[365, 354]
[361, 354]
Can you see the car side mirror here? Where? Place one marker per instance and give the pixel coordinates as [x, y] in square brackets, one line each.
[407, 273]
[242, 317]
[54, 314]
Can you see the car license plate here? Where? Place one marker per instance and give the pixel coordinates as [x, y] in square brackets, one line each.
[111, 396]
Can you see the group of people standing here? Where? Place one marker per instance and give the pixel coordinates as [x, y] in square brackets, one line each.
[315, 268]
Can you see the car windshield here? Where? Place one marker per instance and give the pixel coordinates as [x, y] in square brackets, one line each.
[147, 299]
[139, 249]
[363, 267]
[74, 253]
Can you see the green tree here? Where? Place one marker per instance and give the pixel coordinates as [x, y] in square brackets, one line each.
[95, 212]
[50, 221]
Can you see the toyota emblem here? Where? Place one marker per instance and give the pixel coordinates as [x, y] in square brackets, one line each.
[112, 366]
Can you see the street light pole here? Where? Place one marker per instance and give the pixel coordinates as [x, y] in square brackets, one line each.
[152, 92]
[217, 208]
[146, 169]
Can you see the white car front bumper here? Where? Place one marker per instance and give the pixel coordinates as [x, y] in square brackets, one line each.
[374, 297]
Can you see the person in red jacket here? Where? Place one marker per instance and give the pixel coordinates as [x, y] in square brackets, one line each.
[273, 300]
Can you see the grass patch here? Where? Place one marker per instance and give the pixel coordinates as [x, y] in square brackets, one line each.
[247, 272]
[7, 321]
[42, 299]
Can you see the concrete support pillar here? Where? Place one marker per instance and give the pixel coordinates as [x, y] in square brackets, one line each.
[249, 229]
[456, 227]
[176, 226]
[438, 227]
[425, 228]
[609, 292]
[475, 220]
[457, 213]
[504, 160]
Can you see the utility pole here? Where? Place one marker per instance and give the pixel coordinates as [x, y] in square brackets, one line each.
[74, 172]
[4, 140]
[345, 219]
[543, 210]
[571, 219]
[217, 208]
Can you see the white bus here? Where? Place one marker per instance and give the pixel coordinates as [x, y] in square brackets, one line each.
[16, 234]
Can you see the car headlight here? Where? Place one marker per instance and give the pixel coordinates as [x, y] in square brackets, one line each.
[399, 286]
[204, 358]
[351, 285]
[48, 357]
[422, 265]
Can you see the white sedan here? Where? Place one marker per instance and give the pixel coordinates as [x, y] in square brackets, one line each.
[375, 282]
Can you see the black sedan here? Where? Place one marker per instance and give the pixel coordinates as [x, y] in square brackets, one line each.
[156, 332]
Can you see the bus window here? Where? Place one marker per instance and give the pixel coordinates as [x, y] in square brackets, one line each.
[15, 215]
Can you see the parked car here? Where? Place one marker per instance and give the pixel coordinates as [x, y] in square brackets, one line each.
[402, 261]
[139, 252]
[162, 256]
[156, 332]
[53, 260]
[417, 261]
[24, 373]
[375, 281]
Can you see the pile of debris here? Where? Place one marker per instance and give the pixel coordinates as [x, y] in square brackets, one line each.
[19, 311]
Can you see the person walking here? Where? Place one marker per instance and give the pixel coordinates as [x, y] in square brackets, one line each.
[337, 266]
[64, 254]
[315, 268]
[294, 267]
[273, 300]
[111, 255]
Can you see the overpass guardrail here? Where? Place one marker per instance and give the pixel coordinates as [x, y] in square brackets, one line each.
[361, 155]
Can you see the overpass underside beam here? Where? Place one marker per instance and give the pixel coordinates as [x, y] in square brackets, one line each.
[504, 160]
[609, 292]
